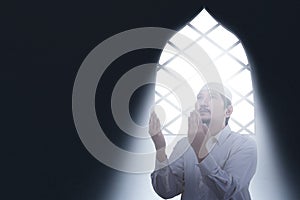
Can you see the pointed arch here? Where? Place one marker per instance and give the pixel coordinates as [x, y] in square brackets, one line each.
[229, 57]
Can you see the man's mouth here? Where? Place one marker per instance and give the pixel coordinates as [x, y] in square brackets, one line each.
[204, 110]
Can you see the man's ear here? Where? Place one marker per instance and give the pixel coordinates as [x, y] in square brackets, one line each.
[229, 111]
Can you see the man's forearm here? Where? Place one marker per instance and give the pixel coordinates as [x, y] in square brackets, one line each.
[161, 154]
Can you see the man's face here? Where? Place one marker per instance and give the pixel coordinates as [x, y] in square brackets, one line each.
[210, 105]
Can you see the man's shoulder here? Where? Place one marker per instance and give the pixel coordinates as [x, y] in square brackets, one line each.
[241, 139]
[241, 144]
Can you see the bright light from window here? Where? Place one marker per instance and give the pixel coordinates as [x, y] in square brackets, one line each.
[230, 59]
[222, 37]
[203, 22]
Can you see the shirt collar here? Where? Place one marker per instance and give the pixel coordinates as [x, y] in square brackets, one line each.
[218, 138]
[222, 135]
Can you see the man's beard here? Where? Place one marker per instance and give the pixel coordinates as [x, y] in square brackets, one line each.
[206, 121]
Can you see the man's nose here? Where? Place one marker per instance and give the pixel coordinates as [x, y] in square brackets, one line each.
[202, 102]
[205, 101]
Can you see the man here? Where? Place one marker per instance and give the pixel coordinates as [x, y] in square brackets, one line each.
[218, 163]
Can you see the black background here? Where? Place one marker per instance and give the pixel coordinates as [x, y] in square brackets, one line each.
[44, 43]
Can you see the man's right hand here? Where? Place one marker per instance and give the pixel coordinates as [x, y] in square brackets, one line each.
[197, 134]
[155, 132]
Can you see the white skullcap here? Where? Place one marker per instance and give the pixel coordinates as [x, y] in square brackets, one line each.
[218, 87]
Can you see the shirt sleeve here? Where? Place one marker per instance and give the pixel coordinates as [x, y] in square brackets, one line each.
[235, 174]
[168, 178]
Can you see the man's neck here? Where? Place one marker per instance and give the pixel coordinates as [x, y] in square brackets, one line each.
[215, 128]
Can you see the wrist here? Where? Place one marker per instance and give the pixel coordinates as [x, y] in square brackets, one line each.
[161, 155]
[202, 154]
[159, 141]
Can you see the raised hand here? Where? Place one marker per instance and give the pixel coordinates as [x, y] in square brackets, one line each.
[197, 134]
[155, 132]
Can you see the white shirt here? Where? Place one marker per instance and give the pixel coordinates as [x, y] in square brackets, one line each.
[224, 174]
[212, 141]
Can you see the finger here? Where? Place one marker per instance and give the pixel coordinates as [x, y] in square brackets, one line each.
[155, 117]
[157, 120]
[151, 127]
[197, 106]
[193, 116]
[151, 117]
[157, 125]
[198, 118]
[191, 122]
[191, 130]
[195, 120]
[205, 128]
[154, 113]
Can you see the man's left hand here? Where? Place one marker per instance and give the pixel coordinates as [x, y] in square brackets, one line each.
[197, 134]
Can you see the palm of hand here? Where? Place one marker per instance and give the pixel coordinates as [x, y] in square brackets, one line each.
[197, 134]
[155, 132]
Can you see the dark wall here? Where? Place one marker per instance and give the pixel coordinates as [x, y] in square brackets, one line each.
[44, 43]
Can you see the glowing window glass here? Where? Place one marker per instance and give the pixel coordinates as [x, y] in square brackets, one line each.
[230, 59]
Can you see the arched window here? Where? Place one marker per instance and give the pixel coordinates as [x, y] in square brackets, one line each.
[228, 55]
